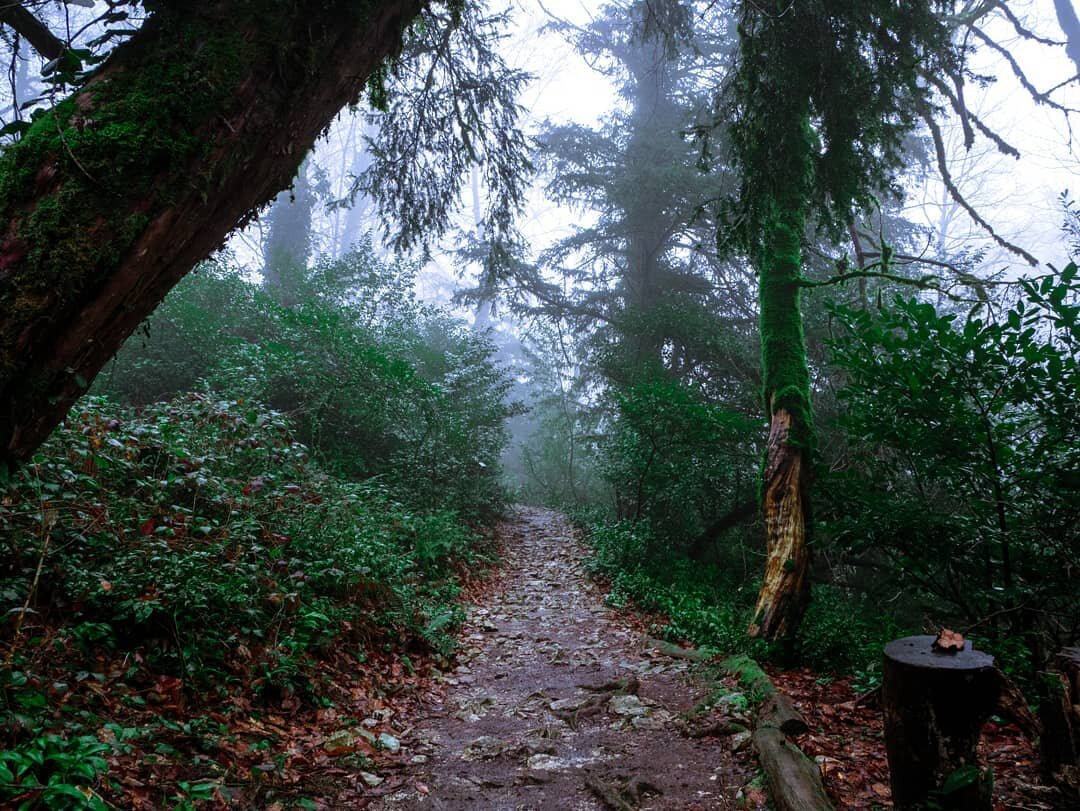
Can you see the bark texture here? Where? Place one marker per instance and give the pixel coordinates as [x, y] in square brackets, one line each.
[112, 196]
[1060, 714]
[793, 779]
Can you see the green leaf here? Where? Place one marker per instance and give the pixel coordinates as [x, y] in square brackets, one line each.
[961, 778]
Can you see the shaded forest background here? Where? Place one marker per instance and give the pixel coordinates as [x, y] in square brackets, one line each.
[297, 458]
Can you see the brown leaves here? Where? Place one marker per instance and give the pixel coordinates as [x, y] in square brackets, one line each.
[847, 743]
[949, 640]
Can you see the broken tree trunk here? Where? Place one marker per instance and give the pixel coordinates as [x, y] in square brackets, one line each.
[117, 192]
[1060, 715]
[785, 486]
[935, 704]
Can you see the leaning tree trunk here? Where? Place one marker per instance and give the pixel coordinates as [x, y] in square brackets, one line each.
[113, 195]
[785, 481]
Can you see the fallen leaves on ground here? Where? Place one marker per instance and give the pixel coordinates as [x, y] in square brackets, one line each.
[846, 740]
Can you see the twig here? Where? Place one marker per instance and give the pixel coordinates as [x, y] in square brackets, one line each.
[47, 521]
[954, 191]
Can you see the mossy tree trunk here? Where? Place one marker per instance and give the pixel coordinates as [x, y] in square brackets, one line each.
[112, 196]
[785, 483]
[785, 477]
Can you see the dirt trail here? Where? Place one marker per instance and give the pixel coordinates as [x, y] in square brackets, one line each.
[557, 704]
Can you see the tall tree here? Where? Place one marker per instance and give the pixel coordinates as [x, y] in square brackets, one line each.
[1070, 25]
[288, 241]
[114, 194]
[823, 95]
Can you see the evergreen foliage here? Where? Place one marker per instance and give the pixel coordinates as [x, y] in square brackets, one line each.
[375, 383]
[960, 478]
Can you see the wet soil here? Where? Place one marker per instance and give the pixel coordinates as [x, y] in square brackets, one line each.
[557, 703]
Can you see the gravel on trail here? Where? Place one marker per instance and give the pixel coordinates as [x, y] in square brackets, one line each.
[557, 703]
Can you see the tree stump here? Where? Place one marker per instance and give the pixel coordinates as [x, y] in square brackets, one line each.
[935, 704]
[1060, 714]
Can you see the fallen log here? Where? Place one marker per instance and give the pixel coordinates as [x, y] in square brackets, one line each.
[775, 707]
[679, 652]
[793, 779]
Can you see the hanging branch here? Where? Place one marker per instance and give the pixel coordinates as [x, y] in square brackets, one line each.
[1020, 28]
[954, 191]
[1021, 76]
[967, 118]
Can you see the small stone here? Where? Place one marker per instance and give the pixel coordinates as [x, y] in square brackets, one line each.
[339, 743]
[389, 743]
[739, 740]
[417, 760]
[367, 735]
[484, 748]
[371, 779]
[627, 705]
[543, 762]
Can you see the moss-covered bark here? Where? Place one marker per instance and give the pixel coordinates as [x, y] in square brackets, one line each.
[784, 491]
[113, 195]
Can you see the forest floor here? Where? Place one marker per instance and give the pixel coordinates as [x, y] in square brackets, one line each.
[557, 703]
[553, 700]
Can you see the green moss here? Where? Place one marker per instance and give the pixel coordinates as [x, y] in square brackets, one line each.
[783, 344]
[91, 173]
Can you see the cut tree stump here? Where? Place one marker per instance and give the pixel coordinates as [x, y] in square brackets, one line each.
[935, 704]
[1060, 715]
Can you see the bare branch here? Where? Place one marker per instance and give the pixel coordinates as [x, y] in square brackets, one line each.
[967, 118]
[1020, 28]
[1021, 76]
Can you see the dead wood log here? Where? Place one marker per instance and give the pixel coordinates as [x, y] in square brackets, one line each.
[775, 708]
[679, 652]
[1013, 706]
[793, 779]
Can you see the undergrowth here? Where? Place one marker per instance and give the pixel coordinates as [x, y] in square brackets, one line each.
[182, 555]
[705, 605]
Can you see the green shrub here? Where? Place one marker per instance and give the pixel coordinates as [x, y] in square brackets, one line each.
[54, 772]
[199, 528]
[374, 384]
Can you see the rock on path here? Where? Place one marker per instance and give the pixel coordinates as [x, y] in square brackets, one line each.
[556, 704]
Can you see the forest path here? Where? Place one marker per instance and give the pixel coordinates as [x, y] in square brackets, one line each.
[557, 704]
